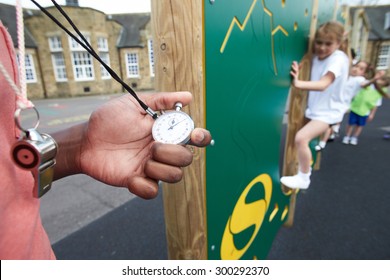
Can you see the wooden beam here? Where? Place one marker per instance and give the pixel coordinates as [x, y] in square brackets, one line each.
[296, 118]
[178, 49]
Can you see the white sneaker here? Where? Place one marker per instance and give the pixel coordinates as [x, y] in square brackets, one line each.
[295, 182]
[336, 129]
[321, 145]
[346, 140]
[354, 141]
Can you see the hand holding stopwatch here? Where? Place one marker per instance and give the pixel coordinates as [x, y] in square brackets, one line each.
[177, 133]
[173, 127]
[35, 152]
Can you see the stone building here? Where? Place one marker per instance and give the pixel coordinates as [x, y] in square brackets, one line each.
[370, 34]
[57, 66]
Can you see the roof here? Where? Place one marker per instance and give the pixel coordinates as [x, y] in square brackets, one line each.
[8, 17]
[376, 16]
[132, 24]
[129, 37]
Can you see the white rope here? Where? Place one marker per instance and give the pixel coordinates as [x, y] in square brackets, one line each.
[22, 53]
[22, 101]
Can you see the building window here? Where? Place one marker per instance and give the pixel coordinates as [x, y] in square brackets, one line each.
[31, 76]
[151, 57]
[57, 58]
[102, 44]
[82, 66]
[383, 57]
[132, 65]
[105, 56]
[74, 46]
[55, 44]
[81, 61]
[59, 67]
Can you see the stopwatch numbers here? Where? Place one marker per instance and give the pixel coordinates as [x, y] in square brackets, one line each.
[173, 128]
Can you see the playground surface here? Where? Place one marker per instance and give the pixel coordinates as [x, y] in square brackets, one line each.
[343, 215]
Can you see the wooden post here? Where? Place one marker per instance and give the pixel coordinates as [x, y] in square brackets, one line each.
[178, 49]
[296, 112]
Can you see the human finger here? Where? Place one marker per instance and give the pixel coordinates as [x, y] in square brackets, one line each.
[171, 154]
[200, 137]
[167, 100]
[146, 188]
[294, 64]
[163, 172]
[293, 74]
[295, 67]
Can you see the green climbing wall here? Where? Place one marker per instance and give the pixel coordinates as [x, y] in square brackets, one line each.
[249, 47]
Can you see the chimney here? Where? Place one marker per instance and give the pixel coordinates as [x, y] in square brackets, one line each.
[74, 3]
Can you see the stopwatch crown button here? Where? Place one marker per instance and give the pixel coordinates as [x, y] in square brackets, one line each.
[178, 106]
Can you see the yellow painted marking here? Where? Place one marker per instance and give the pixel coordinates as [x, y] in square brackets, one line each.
[284, 214]
[279, 28]
[274, 212]
[241, 26]
[68, 120]
[234, 22]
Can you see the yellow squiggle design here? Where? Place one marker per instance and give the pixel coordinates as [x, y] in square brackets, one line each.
[236, 22]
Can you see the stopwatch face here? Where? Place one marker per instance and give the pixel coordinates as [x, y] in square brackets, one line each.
[173, 127]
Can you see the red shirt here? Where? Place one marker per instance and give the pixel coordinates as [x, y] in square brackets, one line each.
[22, 235]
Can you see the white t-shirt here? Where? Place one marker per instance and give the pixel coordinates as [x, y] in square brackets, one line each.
[328, 105]
[351, 88]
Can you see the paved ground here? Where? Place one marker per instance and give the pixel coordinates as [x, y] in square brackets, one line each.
[345, 214]
[75, 201]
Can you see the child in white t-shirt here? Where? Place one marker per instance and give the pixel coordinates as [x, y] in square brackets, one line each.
[329, 73]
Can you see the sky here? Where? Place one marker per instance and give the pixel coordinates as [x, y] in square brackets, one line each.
[142, 6]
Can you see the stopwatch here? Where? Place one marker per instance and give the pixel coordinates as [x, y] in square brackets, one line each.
[173, 127]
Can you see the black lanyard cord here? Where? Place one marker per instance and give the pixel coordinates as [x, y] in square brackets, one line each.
[86, 45]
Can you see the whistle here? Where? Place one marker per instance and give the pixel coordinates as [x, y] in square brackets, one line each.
[36, 152]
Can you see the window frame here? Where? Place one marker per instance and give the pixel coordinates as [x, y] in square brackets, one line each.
[58, 69]
[133, 65]
[383, 56]
[82, 71]
[151, 57]
[104, 54]
[30, 67]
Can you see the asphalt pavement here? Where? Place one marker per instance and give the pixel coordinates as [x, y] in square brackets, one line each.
[345, 214]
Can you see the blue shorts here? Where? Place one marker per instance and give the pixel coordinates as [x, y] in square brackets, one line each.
[355, 119]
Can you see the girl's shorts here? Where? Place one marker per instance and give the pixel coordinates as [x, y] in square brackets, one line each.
[355, 119]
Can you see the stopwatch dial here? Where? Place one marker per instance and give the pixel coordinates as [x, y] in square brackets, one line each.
[173, 127]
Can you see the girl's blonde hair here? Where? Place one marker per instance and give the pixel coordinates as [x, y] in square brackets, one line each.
[335, 30]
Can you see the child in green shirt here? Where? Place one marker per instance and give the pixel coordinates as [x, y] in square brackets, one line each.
[363, 109]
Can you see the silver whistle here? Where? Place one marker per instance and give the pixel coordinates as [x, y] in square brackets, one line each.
[36, 152]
